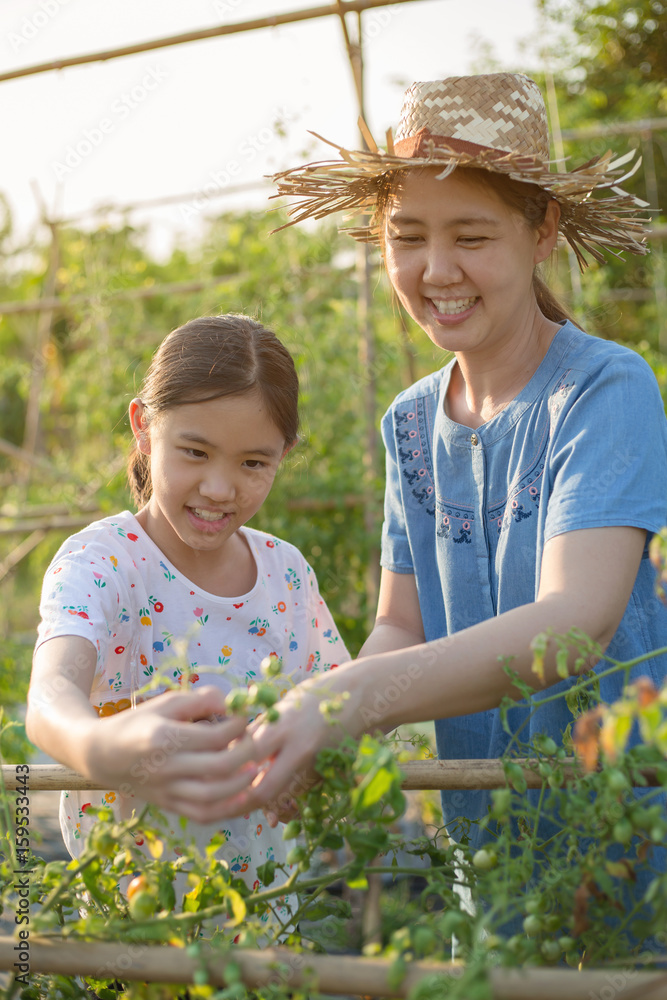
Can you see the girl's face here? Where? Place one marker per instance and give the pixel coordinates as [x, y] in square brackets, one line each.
[461, 261]
[212, 466]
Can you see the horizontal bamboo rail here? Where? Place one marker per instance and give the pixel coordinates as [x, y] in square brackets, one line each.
[347, 974]
[273, 21]
[417, 774]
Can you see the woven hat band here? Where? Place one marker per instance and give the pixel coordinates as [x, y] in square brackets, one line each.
[421, 144]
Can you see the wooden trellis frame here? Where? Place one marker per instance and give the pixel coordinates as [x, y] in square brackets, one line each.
[355, 975]
[329, 974]
[453, 775]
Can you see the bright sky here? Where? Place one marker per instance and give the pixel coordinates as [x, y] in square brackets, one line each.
[201, 117]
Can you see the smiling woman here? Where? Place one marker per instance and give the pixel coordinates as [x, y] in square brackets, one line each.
[497, 526]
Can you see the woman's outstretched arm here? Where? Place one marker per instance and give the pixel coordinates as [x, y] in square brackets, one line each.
[586, 581]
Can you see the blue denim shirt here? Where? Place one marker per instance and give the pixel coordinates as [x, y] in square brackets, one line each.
[583, 445]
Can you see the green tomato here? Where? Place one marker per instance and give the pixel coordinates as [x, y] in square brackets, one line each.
[566, 942]
[271, 666]
[423, 940]
[236, 702]
[617, 781]
[292, 830]
[262, 694]
[296, 855]
[623, 831]
[548, 746]
[502, 800]
[104, 843]
[142, 905]
[484, 860]
[532, 925]
[551, 950]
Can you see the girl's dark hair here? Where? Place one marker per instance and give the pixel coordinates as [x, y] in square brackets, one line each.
[209, 358]
[529, 200]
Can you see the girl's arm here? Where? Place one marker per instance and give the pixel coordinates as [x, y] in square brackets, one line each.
[587, 578]
[399, 621]
[156, 752]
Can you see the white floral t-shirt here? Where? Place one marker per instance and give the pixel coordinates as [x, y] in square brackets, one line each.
[111, 584]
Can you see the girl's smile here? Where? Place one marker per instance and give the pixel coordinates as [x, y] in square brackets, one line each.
[212, 466]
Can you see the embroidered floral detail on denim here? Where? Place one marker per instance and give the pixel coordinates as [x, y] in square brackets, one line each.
[413, 463]
[558, 397]
[454, 525]
[524, 500]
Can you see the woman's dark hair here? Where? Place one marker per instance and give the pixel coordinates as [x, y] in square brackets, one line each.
[529, 200]
[209, 358]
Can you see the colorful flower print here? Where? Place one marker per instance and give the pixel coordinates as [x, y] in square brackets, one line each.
[156, 605]
[293, 581]
[81, 610]
[114, 562]
[99, 580]
[115, 683]
[110, 797]
[258, 626]
[167, 572]
[161, 644]
[123, 615]
[113, 707]
[200, 616]
[279, 608]
[145, 617]
[250, 676]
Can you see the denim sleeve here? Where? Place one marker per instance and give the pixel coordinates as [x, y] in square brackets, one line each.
[396, 554]
[607, 461]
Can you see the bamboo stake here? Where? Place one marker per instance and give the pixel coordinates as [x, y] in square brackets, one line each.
[44, 323]
[326, 973]
[417, 774]
[273, 21]
[20, 552]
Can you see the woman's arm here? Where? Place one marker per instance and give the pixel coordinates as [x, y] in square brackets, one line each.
[155, 752]
[586, 581]
[398, 622]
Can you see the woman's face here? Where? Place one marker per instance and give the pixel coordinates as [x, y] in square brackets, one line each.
[462, 261]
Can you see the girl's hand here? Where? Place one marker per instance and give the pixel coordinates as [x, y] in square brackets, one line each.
[168, 752]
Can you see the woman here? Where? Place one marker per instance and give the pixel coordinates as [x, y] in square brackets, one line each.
[526, 477]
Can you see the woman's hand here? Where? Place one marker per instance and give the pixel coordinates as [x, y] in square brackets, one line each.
[288, 747]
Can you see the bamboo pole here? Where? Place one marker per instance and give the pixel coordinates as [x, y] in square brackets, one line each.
[324, 973]
[275, 20]
[54, 302]
[30, 521]
[418, 774]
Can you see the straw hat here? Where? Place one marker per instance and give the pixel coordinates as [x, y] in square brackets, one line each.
[496, 122]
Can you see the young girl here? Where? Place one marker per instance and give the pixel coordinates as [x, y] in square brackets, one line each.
[525, 477]
[216, 414]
